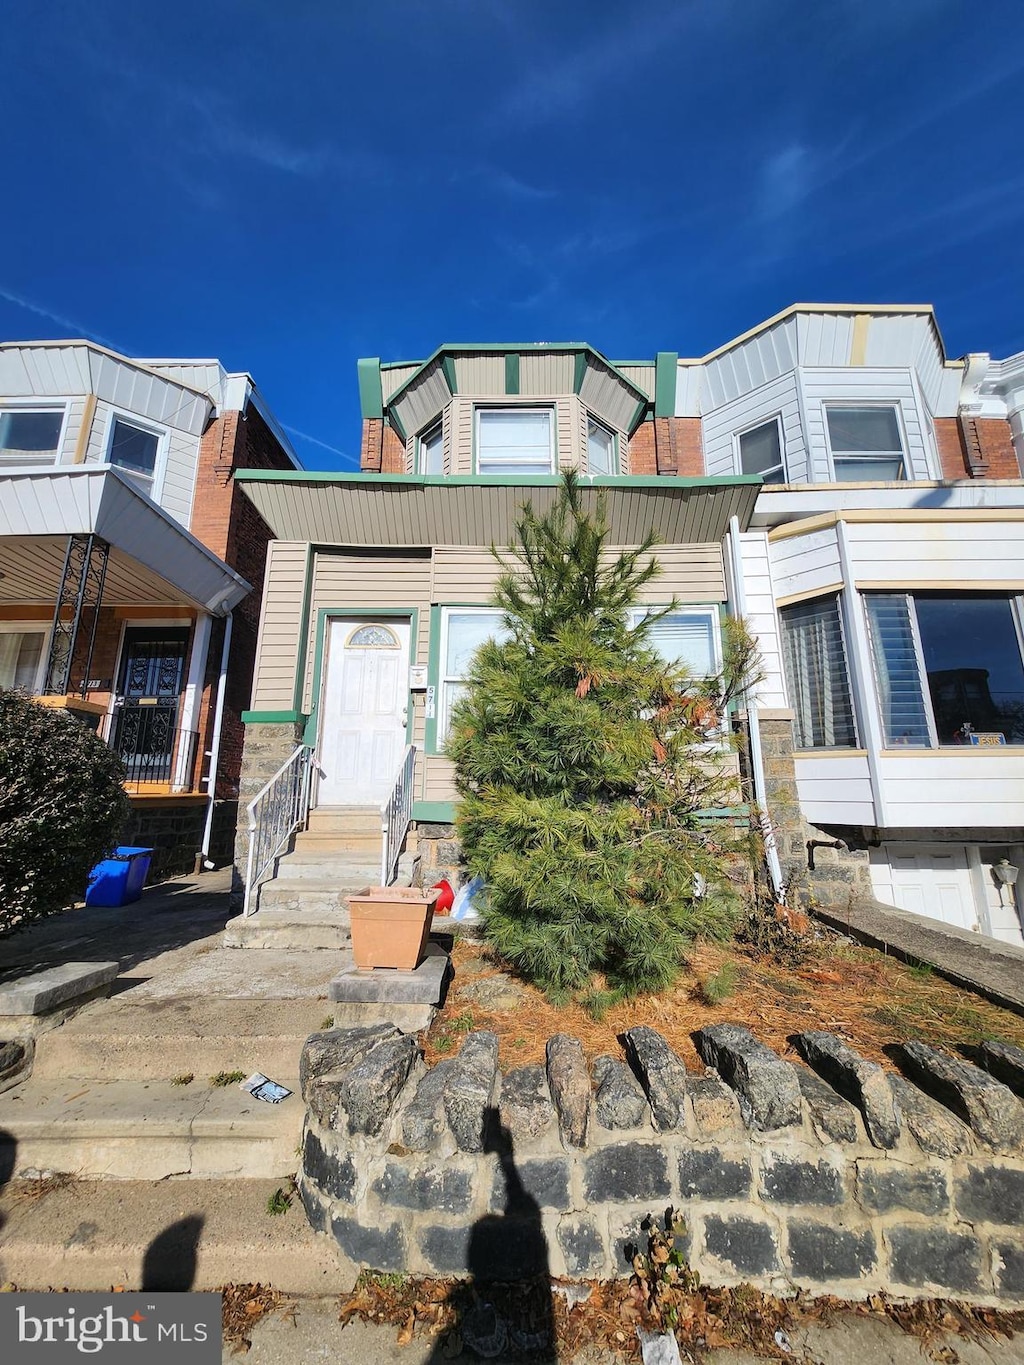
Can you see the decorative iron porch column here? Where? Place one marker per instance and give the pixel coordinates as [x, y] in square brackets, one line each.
[76, 613]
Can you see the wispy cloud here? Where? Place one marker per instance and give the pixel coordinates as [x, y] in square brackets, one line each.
[315, 441]
[785, 180]
[504, 183]
[68, 324]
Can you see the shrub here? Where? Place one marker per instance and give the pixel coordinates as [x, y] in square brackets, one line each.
[584, 768]
[62, 808]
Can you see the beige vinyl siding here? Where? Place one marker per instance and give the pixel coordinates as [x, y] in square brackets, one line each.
[543, 375]
[640, 375]
[278, 648]
[392, 377]
[423, 399]
[608, 397]
[568, 433]
[438, 779]
[569, 429]
[480, 373]
[460, 452]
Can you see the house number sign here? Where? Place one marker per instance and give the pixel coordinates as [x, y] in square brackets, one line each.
[431, 711]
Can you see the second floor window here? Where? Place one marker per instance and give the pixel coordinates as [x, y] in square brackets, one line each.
[600, 449]
[431, 451]
[30, 437]
[514, 441]
[761, 452]
[866, 444]
[134, 449]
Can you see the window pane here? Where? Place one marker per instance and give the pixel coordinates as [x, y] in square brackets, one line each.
[432, 452]
[514, 442]
[467, 631]
[972, 658]
[29, 434]
[814, 657]
[21, 653]
[760, 449]
[900, 698]
[133, 450]
[687, 639]
[600, 449]
[863, 429]
[868, 471]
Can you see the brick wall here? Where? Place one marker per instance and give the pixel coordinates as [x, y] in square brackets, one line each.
[667, 446]
[989, 445]
[950, 444]
[382, 450]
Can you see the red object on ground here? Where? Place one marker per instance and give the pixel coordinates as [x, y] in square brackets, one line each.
[446, 899]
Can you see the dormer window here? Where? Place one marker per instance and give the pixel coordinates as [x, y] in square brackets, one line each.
[30, 437]
[430, 458]
[866, 444]
[761, 452]
[514, 441]
[601, 455]
[134, 450]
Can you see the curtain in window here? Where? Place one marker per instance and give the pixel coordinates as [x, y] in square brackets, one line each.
[815, 661]
[897, 675]
[20, 653]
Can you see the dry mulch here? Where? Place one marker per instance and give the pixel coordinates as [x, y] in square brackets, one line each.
[870, 1000]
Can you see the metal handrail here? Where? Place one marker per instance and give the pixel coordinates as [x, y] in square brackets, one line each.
[396, 814]
[279, 808]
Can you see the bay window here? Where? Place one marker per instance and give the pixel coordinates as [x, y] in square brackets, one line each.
[948, 668]
[814, 658]
[463, 631]
[514, 441]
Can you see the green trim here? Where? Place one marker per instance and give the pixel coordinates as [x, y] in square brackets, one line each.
[433, 679]
[394, 420]
[300, 661]
[371, 399]
[448, 369]
[580, 372]
[638, 416]
[512, 372]
[311, 735]
[434, 812]
[300, 476]
[272, 717]
[665, 364]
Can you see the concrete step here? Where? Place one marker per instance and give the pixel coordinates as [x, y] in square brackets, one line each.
[314, 841]
[345, 820]
[327, 869]
[148, 1130]
[270, 928]
[165, 1038]
[89, 1236]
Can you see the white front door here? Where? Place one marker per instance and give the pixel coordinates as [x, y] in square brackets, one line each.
[365, 700]
[927, 879]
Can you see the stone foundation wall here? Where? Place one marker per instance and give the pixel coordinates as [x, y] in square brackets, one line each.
[440, 855]
[832, 1177]
[173, 831]
[267, 746]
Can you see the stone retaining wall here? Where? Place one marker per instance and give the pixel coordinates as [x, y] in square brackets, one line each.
[833, 1176]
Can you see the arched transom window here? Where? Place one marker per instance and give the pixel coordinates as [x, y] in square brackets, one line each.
[372, 637]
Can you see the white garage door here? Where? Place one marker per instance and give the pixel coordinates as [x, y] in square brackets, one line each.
[926, 879]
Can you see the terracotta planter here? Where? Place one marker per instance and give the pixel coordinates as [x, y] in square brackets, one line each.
[390, 926]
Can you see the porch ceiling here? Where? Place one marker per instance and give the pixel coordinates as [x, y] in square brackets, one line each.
[153, 558]
[406, 510]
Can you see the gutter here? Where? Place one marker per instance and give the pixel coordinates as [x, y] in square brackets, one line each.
[771, 851]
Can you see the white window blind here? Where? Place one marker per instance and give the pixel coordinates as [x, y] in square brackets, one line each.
[688, 639]
[514, 441]
[814, 656]
[897, 672]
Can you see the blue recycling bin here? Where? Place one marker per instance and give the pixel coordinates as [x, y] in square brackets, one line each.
[119, 879]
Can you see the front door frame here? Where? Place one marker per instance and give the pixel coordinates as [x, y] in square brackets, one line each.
[314, 725]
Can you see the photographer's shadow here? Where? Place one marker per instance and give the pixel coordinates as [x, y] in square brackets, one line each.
[506, 1304]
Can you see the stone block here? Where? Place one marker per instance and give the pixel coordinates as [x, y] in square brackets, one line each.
[919, 1189]
[334, 1049]
[1008, 1267]
[746, 1244]
[766, 1086]
[715, 1108]
[469, 1089]
[424, 1119]
[710, 1175]
[629, 1170]
[934, 1127]
[370, 1087]
[832, 1117]
[661, 1073]
[430, 1188]
[44, 991]
[991, 1194]
[990, 1108]
[582, 1248]
[785, 1180]
[491, 1248]
[922, 1257]
[525, 1104]
[569, 1083]
[863, 1083]
[377, 1248]
[374, 986]
[449, 851]
[330, 1172]
[621, 1102]
[822, 1251]
[1005, 1062]
[544, 1183]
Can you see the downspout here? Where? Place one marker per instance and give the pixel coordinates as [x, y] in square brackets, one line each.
[771, 851]
[218, 720]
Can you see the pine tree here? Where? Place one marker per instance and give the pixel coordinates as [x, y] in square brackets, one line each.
[583, 764]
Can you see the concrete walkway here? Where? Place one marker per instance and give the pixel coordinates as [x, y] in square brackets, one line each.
[993, 969]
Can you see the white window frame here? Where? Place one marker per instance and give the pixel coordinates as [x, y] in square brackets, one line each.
[535, 409]
[43, 628]
[756, 426]
[156, 488]
[610, 431]
[443, 677]
[708, 610]
[869, 456]
[30, 405]
[435, 428]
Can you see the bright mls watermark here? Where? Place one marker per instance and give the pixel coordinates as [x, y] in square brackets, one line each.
[65, 1327]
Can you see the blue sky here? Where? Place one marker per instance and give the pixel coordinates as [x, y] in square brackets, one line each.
[291, 186]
